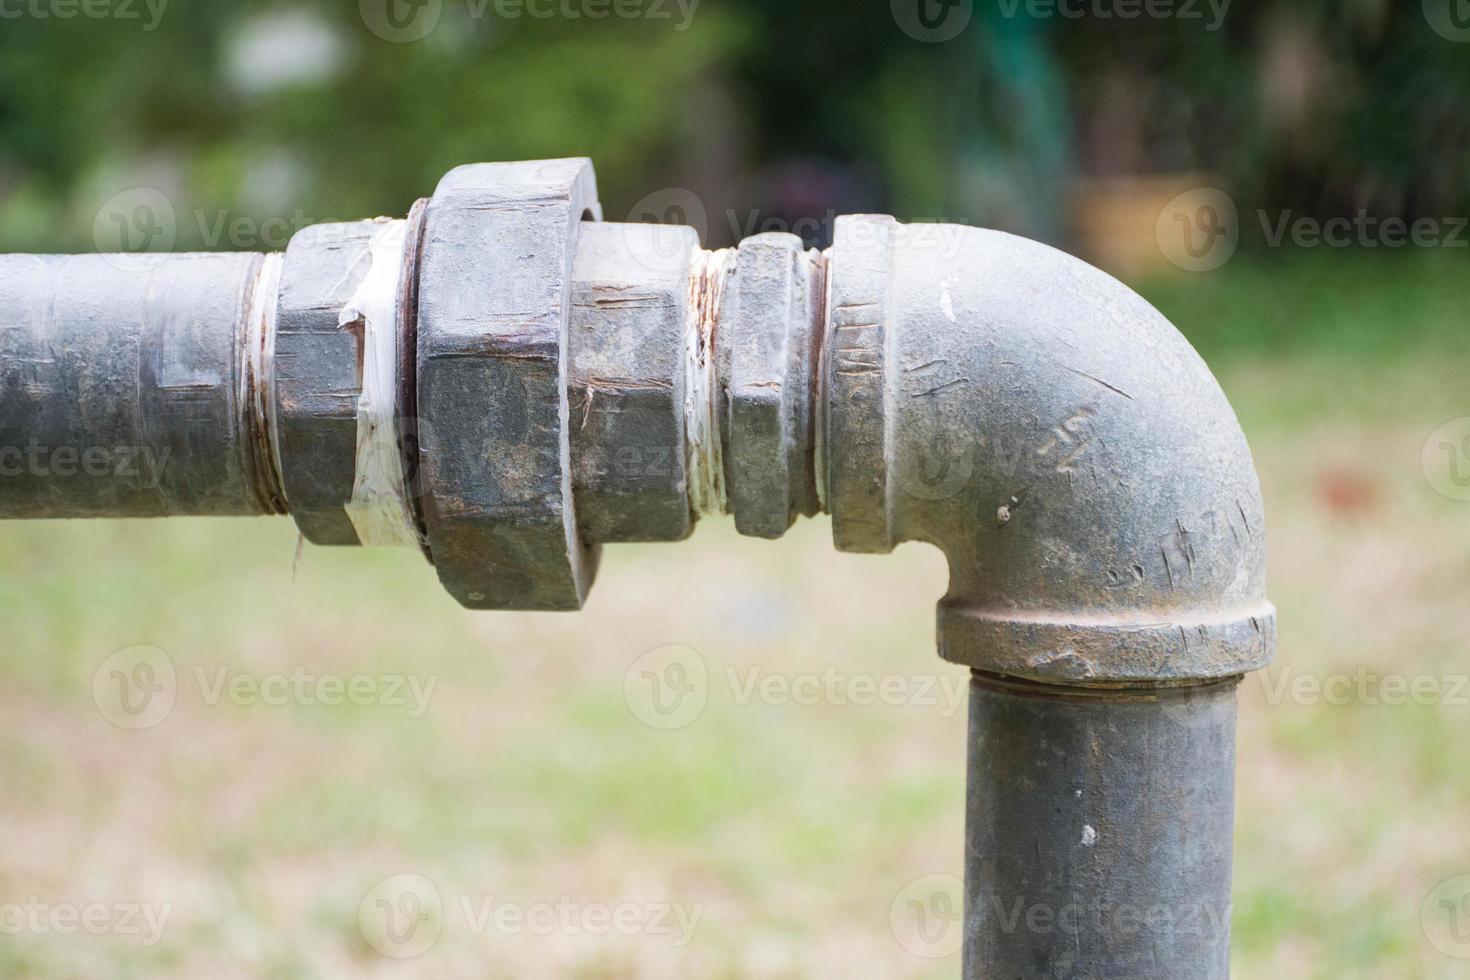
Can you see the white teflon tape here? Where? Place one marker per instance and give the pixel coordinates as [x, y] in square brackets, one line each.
[258, 381]
[702, 451]
[379, 506]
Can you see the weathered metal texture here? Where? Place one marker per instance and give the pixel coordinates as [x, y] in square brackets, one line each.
[857, 368]
[319, 376]
[121, 392]
[630, 314]
[1088, 483]
[494, 298]
[1033, 418]
[1098, 831]
[1061, 443]
[766, 342]
[408, 333]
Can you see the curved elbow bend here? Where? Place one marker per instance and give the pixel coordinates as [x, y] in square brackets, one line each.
[1059, 441]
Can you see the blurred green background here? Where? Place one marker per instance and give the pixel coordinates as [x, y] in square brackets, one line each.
[1192, 154]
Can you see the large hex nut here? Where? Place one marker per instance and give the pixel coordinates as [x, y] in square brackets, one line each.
[318, 376]
[630, 314]
[495, 290]
[766, 341]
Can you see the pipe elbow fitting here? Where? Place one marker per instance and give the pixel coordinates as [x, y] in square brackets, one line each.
[1058, 440]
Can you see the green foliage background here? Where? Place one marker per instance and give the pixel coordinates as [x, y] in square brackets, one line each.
[1322, 106]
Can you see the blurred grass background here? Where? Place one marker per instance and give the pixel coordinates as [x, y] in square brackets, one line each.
[794, 826]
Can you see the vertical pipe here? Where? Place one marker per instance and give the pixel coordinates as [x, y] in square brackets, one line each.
[1098, 831]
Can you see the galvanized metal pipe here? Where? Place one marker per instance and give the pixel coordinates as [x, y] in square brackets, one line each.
[126, 388]
[562, 384]
[1098, 831]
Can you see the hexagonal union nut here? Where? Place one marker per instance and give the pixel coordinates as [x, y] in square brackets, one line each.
[767, 338]
[494, 290]
[626, 375]
[318, 376]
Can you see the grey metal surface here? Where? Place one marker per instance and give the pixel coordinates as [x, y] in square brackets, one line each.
[409, 425]
[121, 388]
[857, 378]
[319, 376]
[627, 384]
[769, 323]
[1059, 441]
[494, 297]
[1098, 832]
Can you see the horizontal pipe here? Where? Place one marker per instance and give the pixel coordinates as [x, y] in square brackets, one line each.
[126, 387]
